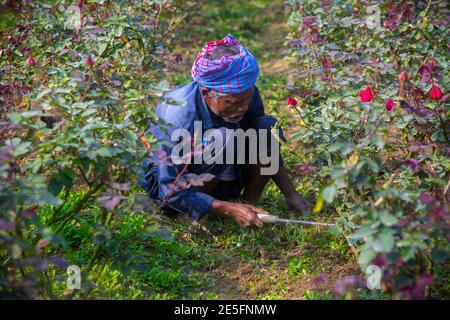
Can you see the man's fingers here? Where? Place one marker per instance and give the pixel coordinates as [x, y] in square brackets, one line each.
[247, 215]
[255, 211]
[258, 221]
[255, 219]
[258, 210]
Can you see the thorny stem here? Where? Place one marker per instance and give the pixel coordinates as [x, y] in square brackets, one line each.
[444, 127]
[159, 13]
[299, 113]
[88, 86]
[85, 178]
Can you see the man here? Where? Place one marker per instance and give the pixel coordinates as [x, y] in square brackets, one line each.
[222, 97]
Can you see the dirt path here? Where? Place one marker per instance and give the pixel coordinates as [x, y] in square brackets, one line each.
[265, 39]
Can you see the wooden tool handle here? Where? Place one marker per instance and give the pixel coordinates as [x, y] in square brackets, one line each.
[267, 218]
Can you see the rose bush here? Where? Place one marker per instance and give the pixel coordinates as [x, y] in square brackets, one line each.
[78, 86]
[371, 80]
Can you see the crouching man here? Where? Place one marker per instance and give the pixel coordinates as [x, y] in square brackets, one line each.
[221, 131]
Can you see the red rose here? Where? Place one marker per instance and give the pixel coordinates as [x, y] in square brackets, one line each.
[390, 105]
[366, 95]
[435, 93]
[31, 61]
[403, 76]
[89, 61]
[292, 102]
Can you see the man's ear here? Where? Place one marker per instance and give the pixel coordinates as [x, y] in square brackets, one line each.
[204, 91]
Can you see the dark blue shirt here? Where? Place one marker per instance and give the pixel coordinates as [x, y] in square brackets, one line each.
[159, 176]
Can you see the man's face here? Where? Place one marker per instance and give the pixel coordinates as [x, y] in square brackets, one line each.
[230, 107]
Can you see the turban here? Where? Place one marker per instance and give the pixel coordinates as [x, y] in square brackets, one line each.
[228, 74]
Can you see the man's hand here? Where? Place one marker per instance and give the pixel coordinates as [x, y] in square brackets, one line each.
[244, 214]
[299, 204]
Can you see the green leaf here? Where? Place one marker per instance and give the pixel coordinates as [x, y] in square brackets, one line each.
[329, 192]
[104, 152]
[15, 117]
[33, 165]
[62, 179]
[31, 114]
[439, 255]
[99, 238]
[362, 233]
[384, 242]
[163, 85]
[387, 219]
[88, 112]
[102, 48]
[367, 256]
[345, 147]
[378, 140]
[21, 149]
[73, 18]
[55, 185]
[173, 102]
[43, 93]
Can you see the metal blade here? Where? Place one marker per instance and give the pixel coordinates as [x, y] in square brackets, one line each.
[288, 221]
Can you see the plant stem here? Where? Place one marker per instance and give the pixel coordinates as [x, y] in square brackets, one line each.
[78, 206]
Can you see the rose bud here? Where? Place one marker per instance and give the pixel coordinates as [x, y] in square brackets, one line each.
[403, 76]
[390, 105]
[89, 61]
[292, 101]
[31, 61]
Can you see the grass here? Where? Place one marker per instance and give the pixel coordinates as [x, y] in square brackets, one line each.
[187, 267]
